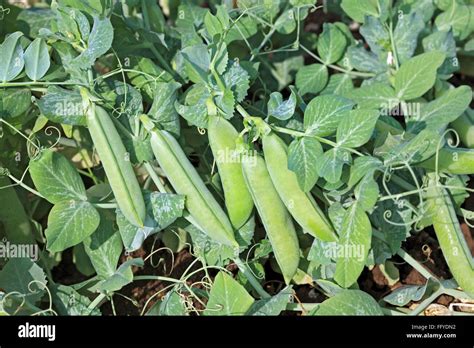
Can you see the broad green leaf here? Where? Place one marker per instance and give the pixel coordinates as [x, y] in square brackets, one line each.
[407, 293]
[63, 106]
[417, 75]
[374, 96]
[331, 163]
[367, 192]
[14, 102]
[358, 9]
[279, 108]
[68, 301]
[197, 62]
[236, 78]
[11, 57]
[228, 297]
[273, 305]
[104, 246]
[357, 127]
[361, 167]
[323, 114]
[122, 276]
[31, 20]
[283, 71]
[311, 78]
[195, 111]
[354, 245]
[303, 154]
[339, 84]
[406, 33]
[36, 59]
[329, 288]
[225, 103]
[24, 276]
[56, 179]
[443, 41]
[322, 252]
[265, 9]
[172, 304]
[363, 60]
[457, 17]
[331, 44]
[166, 207]
[162, 109]
[69, 223]
[441, 111]
[146, 76]
[82, 261]
[375, 35]
[286, 22]
[100, 41]
[349, 302]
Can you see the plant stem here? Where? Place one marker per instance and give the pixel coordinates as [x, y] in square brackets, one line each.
[251, 278]
[415, 264]
[26, 187]
[96, 302]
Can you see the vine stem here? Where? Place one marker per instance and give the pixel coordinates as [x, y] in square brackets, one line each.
[251, 278]
[26, 187]
[335, 67]
[96, 302]
[415, 264]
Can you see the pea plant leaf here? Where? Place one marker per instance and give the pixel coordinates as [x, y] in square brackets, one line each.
[331, 43]
[121, 277]
[349, 302]
[14, 102]
[62, 106]
[417, 75]
[11, 57]
[279, 108]
[357, 127]
[354, 245]
[303, 154]
[374, 96]
[69, 223]
[163, 107]
[323, 114]
[405, 35]
[228, 297]
[311, 78]
[166, 207]
[56, 179]
[37, 60]
[272, 306]
[331, 163]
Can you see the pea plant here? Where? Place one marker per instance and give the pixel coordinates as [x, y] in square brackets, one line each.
[289, 149]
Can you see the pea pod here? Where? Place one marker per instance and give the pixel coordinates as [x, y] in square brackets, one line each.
[276, 219]
[447, 229]
[184, 178]
[452, 160]
[464, 126]
[222, 139]
[301, 205]
[117, 167]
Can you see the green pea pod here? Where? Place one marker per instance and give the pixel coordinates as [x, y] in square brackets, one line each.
[452, 160]
[184, 178]
[222, 139]
[116, 164]
[276, 219]
[464, 126]
[301, 205]
[448, 232]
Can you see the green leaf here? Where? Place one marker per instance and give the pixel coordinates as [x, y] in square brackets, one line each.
[31, 20]
[56, 179]
[349, 302]
[407, 293]
[273, 305]
[354, 245]
[166, 207]
[36, 59]
[69, 223]
[100, 41]
[162, 109]
[11, 57]
[68, 301]
[363, 166]
[134, 236]
[279, 108]
[323, 114]
[172, 305]
[375, 35]
[457, 17]
[228, 297]
[358, 9]
[331, 163]
[303, 155]
[367, 192]
[197, 62]
[147, 76]
[25, 277]
[195, 110]
[311, 78]
[363, 60]
[441, 111]
[62, 106]
[14, 102]
[122, 276]
[357, 127]
[374, 96]
[322, 252]
[331, 43]
[339, 84]
[104, 246]
[405, 35]
[237, 79]
[417, 75]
